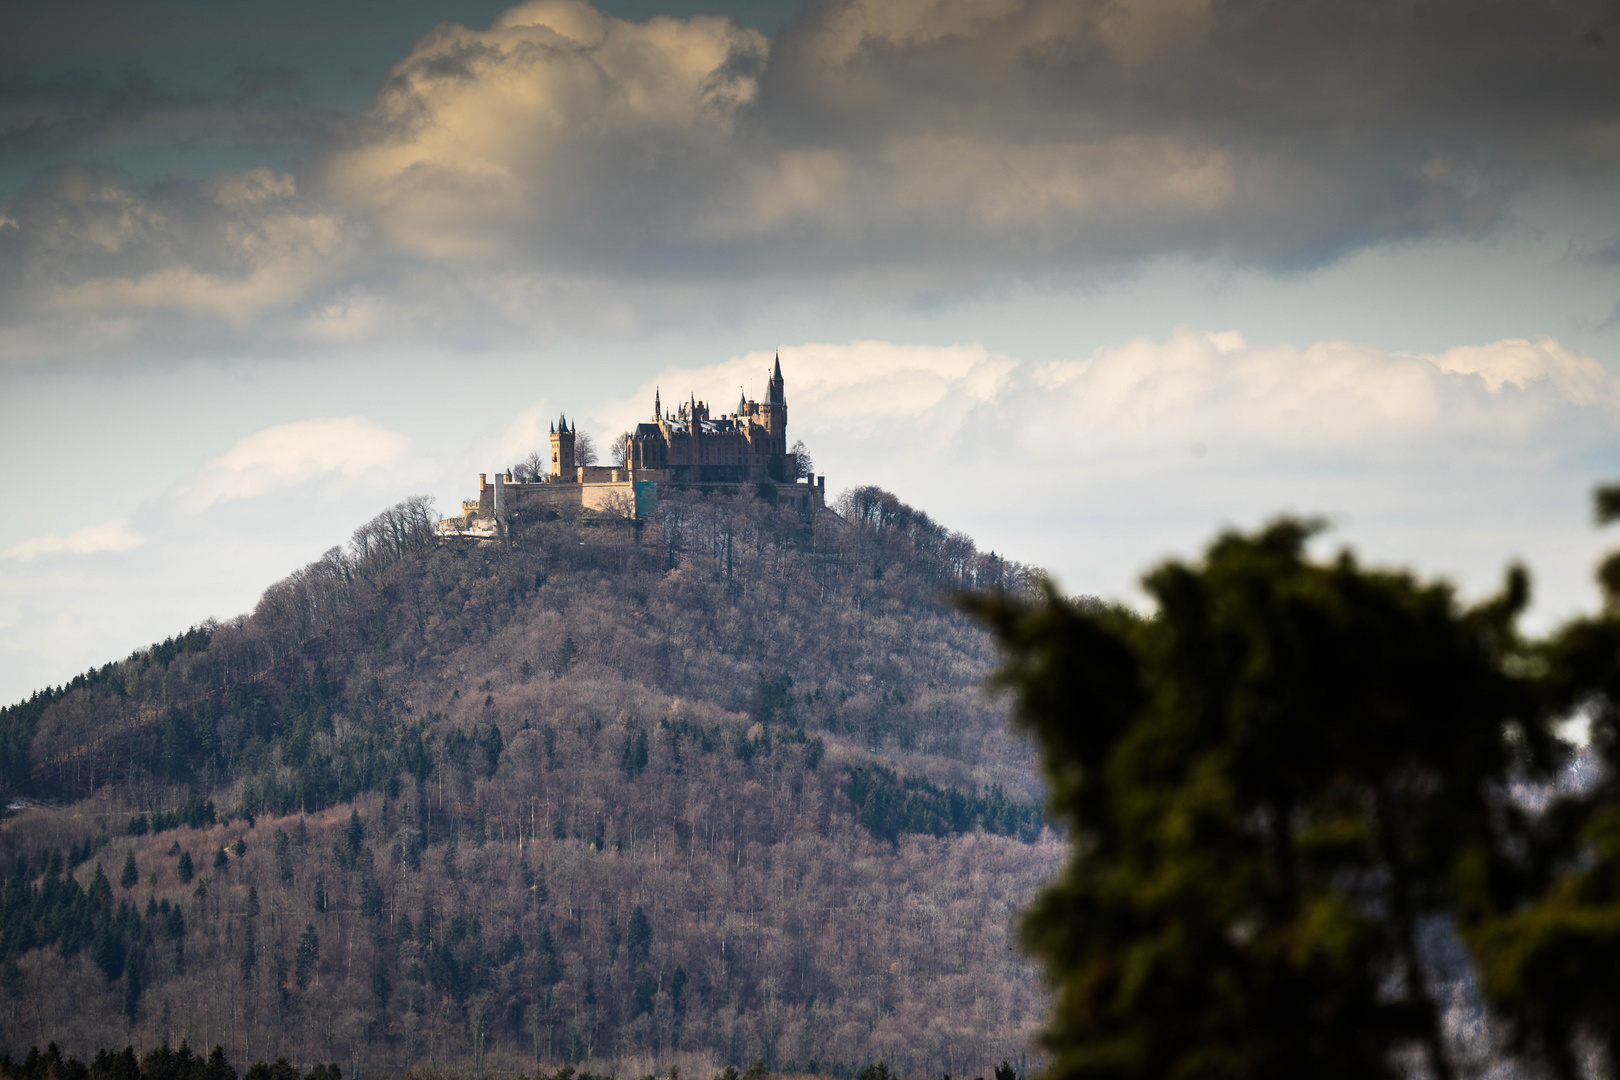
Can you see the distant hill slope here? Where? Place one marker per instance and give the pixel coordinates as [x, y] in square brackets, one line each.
[722, 787]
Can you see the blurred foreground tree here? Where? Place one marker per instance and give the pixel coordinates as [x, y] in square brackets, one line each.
[1270, 785]
[1548, 948]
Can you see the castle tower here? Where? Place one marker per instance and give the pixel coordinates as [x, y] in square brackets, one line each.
[695, 426]
[658, 407]
[775, 410]
[562, 450]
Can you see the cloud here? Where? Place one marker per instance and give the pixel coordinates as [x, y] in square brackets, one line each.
[1459, 460]
[974, 133]
[289, 454]
[1149, 395]
[94, 264]
[108, 536]
[94, 114]
[953, 138]
[558, 122]
[854, 390]
[566, 169]
[1203, 387]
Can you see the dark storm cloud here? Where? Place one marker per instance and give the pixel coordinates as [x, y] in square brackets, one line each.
[46, 116]
[86, 117]
[566, 159]
[1330, 125]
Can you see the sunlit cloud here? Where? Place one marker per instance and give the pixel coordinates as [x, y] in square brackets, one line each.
[108, 536]
[1096, 466]
[290, 454]
[1150, 394]
[853, 389]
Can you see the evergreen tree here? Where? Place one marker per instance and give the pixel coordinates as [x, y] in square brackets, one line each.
[1547, 938]
[134, 982]
[550, 968]
[100, 888]
[1268, 786]
[130, 875]
[183, 869]
[307, 956]
[250, 954]
[493, 746]
[120, 1066]
[108, 951]
[638, 940]
[634, 759]
[355, 835]
[381, 989]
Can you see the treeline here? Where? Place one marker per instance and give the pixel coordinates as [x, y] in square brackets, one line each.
[161, 1063]
[164, 1063]
[19, 723]
[949, 558]
[582, 798]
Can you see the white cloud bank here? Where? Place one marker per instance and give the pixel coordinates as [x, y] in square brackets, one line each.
[108, 536]
[1149, 395]
[289, 454]
[1456, 461]
[1215, 387]
[853, 389]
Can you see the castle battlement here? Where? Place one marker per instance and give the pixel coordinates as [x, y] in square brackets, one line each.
[689, 448]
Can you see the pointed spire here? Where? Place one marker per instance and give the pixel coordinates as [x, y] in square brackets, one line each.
[742, 401]
[776, 395]
[658, 405]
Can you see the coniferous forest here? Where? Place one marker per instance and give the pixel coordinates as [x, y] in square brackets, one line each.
[719, 788]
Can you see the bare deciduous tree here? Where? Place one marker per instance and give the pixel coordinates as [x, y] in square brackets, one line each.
[531, 468]
[805, 465]
[532, 739]
[584, 449]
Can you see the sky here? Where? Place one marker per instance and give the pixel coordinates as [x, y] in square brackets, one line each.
[1088, 281]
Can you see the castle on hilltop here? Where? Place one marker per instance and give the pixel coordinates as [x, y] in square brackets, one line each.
[745, 452]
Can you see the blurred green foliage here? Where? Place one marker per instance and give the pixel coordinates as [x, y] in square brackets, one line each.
[1273, 786]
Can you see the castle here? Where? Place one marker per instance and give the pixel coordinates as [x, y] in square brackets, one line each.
[745, 452]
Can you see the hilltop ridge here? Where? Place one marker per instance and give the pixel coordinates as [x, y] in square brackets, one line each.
[721, 786]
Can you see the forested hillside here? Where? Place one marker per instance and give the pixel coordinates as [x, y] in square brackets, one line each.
[722, 787]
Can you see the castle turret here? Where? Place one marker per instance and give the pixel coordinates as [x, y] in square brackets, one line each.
[562, 451]
[775, 411]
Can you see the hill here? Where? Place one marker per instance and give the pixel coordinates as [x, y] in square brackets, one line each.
[721, 787]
